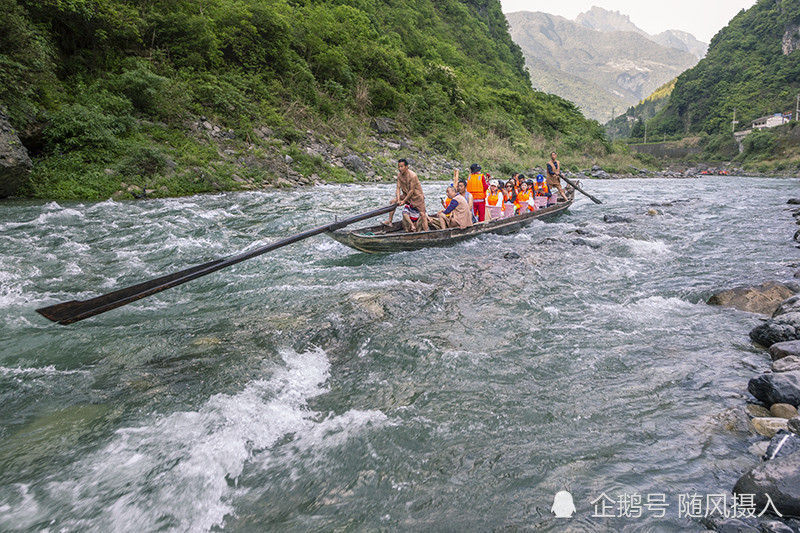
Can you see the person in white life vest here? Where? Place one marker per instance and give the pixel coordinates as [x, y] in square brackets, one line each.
[494, 201]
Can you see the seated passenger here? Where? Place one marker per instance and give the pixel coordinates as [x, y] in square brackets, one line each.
[494, 201]
[457, 214]
[542, 192]
[410, 216]
[523, 196]
[509, 198]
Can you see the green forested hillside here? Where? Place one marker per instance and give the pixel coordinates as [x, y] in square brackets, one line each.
[752, 65]
[631, 123]
[106, 90]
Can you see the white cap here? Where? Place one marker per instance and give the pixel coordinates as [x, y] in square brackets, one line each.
[494, 182]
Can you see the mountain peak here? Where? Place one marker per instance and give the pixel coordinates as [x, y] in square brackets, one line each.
[603, 20]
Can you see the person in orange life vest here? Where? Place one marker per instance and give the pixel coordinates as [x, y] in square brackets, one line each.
[509, 199]
[457, 214]
[542, 192]
[477, 186]
[554, 175]
[409, 192]
[494, 200]
[523, 196]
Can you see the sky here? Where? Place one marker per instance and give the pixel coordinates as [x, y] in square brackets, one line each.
[701, 18]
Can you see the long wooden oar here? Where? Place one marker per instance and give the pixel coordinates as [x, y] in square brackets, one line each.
[574, 186]
[75, 310]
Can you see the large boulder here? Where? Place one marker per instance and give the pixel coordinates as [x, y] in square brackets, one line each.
[354, 163]
[15, 165]
[780, 479]
[776, 388]
[763, 299]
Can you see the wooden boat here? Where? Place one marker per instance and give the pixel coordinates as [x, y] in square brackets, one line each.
[384, 239]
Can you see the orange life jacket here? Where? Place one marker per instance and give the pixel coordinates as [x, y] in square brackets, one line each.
[492, 199]
[475, 186]
[541, 188]
[522, 198]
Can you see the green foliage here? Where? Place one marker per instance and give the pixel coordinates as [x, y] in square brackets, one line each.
[433, 66]
[759, 145]
[745, 69]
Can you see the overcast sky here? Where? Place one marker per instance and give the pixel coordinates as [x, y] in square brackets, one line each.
[702, 18]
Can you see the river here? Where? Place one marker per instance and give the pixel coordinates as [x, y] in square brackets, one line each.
[317, 388]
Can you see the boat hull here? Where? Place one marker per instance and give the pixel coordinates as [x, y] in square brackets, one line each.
[380, 239]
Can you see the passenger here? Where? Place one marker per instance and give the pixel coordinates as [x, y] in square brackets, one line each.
[410, 217]
[409, 192]
[509, 199]
[457, 214]
[541, 192]
[461, 188]
[523, 196]
[494, 201]
[554, 175]
[477, 187]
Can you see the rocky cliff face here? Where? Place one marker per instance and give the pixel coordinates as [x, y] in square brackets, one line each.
[15, 165]
[791, 39]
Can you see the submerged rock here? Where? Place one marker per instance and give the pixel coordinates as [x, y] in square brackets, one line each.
[613, 219]
[776, 388]
[780, 479]
[764, 299]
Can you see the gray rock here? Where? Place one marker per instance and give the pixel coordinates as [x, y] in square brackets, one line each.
[794, 426]
[763, 299]
[782, 444]
[729, 525]
[781, 350]
[774, 526]
[354, 163]
[15, 165]
[786, 364]
[757, 411]
[288, 159]
[584, 242]
[793, 201]
[790, 305]
[383, 125]
[781, 328]
[776, 388]
[780, 479]
[611, 219]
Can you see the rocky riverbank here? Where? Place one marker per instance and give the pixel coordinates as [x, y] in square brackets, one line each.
[773, 484]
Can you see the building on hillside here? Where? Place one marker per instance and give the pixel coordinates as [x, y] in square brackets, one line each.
[772, 120]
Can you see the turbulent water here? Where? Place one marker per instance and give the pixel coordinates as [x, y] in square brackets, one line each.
[317, 388]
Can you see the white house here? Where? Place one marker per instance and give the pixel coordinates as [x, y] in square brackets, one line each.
[771, 121]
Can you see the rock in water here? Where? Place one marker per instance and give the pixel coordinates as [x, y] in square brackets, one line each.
[15, 165]
[612, 219]
[781, 328]
[776, 388]
[764, 299]
[780, 479]
[780, 350]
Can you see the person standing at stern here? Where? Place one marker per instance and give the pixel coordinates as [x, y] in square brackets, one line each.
[409, 193]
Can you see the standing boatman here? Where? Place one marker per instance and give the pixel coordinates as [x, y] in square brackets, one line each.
[409, 192]
[554, 175]
[477, 185]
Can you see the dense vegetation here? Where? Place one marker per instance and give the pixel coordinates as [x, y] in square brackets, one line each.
[105, 91]
[631, 123]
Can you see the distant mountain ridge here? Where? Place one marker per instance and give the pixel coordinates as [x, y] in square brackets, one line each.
[601, 70]
[600, 19]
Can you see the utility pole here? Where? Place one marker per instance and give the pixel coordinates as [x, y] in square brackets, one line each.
[734, 122]
[645, 132]
[613, 126]
[797, 111]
